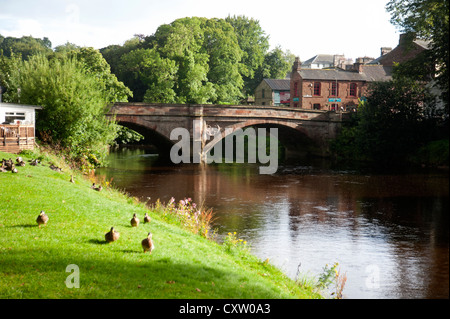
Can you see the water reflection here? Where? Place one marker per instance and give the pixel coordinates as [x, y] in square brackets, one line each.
[388, 232]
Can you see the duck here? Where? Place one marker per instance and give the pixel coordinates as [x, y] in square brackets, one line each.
[112, 235]
[134, 221]
[147, 218]
[34, 162]
[8, 164]
[147, 243]
[42, 219]
[19, 159]
[55, 168]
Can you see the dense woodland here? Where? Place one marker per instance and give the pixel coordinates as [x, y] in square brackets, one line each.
[221, 61]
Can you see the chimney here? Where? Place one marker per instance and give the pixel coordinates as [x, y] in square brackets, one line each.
[297, 65]
[385, 50]
[358, 65]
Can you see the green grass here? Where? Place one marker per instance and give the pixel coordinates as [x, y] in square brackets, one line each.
[33, 260]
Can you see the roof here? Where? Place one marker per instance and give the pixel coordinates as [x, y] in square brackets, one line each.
[320, 58]
[377, 72]
[330, 74]
[279, 84]
[369, 74]
[36, 107]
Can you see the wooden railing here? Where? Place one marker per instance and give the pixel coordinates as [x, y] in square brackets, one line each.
[14, 138]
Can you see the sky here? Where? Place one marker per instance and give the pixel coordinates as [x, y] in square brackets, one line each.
[355, 28]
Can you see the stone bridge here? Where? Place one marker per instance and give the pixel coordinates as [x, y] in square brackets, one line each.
[299, 131]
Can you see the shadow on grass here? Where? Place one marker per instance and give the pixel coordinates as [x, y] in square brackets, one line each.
[23, 226]
[97, 241]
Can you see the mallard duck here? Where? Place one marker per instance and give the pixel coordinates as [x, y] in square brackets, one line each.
[134, 221]
[147, 218]
[42, 219]
[147, 243]
[112, 235]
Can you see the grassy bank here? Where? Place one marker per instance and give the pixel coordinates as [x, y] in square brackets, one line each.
[33, 260]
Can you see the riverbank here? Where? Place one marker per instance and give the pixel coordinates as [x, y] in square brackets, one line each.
[46, 262]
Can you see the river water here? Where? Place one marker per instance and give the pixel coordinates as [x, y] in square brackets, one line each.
[389, 232]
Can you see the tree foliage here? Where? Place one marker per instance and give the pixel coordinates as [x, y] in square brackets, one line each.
[211, 61]
[74, 104]
[25, 46]
[397, 118]
[428, 19]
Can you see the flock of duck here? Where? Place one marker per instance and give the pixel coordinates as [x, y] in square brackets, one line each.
[42, 219]
[146, 243]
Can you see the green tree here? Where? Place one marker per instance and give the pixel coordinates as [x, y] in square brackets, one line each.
[428, 19]
[152, 76]
[254, 43]
[26, 46]
[74, 105]
[224, 61]
[391, 125]
[95, 64]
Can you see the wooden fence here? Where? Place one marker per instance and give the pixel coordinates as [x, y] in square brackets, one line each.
[14, 138]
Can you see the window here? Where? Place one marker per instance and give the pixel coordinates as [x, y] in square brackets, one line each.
[353, 89]
[263, 93]
[316, 106]
[316, 88]
[10, 117]
[295, 88]
[334, 89]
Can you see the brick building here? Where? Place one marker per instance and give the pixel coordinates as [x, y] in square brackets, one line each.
[333, 89]
[275, 92]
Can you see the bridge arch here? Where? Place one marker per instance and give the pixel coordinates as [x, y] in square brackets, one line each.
[151, 136]
[294, 138]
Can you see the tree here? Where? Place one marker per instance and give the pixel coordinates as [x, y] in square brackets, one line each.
[26, 46]
[428, 19]
[254, 43]
[74, 104]
[391, 125]
[152, 76]
[94, 64]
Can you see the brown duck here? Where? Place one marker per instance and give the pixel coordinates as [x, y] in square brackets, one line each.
[134, 221]
[42, 219]
[147, 218]
[112, 235]
[147, 243]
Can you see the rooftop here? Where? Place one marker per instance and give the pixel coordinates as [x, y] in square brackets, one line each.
[279, 84]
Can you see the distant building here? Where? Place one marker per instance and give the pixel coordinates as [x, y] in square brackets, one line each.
[323, 61]
[17, 127]
[341, 88]
[275, 92]
[333, 89]
[404, 51]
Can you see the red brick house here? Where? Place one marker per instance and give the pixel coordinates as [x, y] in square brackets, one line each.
[333, 89]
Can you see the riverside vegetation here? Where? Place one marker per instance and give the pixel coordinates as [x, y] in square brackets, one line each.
[187, 261]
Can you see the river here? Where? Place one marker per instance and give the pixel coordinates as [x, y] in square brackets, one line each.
[389, 232]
